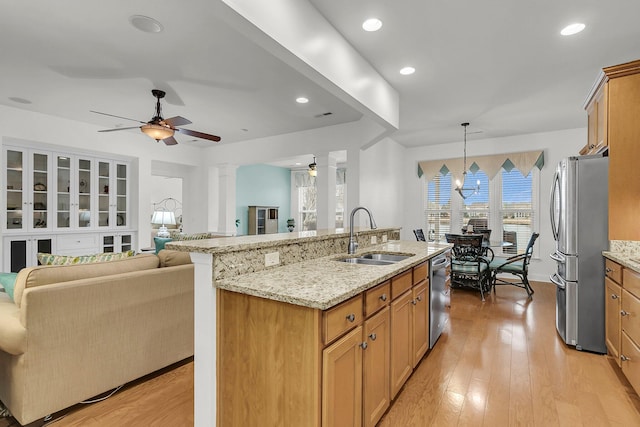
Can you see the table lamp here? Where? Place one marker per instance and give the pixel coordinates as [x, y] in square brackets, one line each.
[162, 218]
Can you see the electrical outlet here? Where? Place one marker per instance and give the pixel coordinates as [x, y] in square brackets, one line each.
[272, 258]
[384, 238]
[374, 240]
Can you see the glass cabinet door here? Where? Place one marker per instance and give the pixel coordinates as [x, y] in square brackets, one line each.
[104, 201]
[15, 198]
[121, 195]
[63, 192]
[40, 208]
[84, 193]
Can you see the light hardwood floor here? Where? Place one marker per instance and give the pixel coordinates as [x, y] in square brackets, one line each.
[498, 363]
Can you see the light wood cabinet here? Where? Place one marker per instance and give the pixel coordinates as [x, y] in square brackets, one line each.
[263, 219]
[376, 375]
[622, 319]
[401, 341]
[342, 381]
[597, 119]
[623, 134]
[300, 366]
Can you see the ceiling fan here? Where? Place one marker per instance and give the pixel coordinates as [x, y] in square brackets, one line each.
[159, 128]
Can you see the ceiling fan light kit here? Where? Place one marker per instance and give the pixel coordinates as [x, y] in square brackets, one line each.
[162, 129]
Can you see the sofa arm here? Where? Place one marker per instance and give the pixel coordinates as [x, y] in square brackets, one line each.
[13, 335]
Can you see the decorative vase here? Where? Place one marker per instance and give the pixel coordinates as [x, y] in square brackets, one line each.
[291, 224]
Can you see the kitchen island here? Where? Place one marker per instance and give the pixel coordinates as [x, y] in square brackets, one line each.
[266, 337]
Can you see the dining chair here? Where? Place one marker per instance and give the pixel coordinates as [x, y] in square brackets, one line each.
[419, 235]
[516, 265]
[469, 268]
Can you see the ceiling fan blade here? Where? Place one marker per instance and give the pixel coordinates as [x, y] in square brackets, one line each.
[199, 134]
[113, 130]
[170, 141]
[177, 121]
[113, 115]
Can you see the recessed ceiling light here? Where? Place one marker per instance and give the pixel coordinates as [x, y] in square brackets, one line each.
[19, 100]
[302, 100]
[372, 24]
[298, 163]
[146, 24]
[407, 70]
[572, 29]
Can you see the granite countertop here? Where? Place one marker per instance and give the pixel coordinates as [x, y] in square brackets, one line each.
[242, 243]
[324, 282]
[626, 259]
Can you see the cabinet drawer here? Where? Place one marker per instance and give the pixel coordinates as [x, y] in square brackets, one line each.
[613, 270]
[630, 361]
[77, 244]
[631, 315]
[376, 298]
[401, 283]
[342, 318]
[420, 272]
[631, 281]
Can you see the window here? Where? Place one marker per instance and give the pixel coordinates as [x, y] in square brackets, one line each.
[438, 207]
[306, 199]
[506, 204]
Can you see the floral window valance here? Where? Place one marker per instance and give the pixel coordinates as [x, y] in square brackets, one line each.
[491, 165]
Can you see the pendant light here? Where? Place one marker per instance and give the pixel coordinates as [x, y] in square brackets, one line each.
[460, 188]
[313, 171]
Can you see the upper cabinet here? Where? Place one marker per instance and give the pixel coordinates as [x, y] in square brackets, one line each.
[28, 179]
[623, 139]
[597, 116]
[64, 192]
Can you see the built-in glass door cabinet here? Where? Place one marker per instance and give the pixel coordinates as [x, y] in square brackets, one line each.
[117, 242]
[113, 202]
[73, 192]
[27, 198]
[21, 251]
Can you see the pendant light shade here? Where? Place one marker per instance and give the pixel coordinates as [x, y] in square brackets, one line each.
[313, 170]
[460, 186]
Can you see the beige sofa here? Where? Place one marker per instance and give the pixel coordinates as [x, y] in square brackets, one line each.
[77, 331]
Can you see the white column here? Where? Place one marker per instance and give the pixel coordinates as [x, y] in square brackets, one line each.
[204, 359]
[227, 199]
[353, 183]
[326, 192]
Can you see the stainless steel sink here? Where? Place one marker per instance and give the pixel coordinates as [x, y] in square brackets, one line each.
[386, 257]
[376, 258]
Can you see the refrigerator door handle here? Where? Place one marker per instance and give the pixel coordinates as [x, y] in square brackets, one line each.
[557, 257]
[557, 281]
[552, 203]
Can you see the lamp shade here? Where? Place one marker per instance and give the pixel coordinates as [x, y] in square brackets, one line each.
[163, 218]
[157, 132]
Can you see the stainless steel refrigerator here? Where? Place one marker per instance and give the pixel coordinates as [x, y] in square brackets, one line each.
[579, 220]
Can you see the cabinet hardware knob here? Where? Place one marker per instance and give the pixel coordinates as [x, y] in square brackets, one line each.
[419, 298]
[373, 336]
[383, 297]
[614, 296]
[608, 270]
[351, 317]
[414, 302]
[624, 358]
[364, 345]
[624, 313]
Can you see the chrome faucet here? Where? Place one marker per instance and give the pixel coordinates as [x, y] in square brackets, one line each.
[353, 245]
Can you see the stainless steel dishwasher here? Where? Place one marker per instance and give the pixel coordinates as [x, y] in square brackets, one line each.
[439, 296]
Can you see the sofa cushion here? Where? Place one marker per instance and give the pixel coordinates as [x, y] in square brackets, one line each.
[169, 258]
[8, 282]
[49, 259]
[48, 274]
[160, 242]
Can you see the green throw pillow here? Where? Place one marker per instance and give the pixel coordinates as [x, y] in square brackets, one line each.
[8, 282]
[160, 242]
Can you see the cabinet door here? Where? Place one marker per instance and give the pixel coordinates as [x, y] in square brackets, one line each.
[401, 341]
[27, 198]
[630, 361]
[105, 199]
[84, 189]
[376, 377]
[342, 381]
[122, 195]
[420, 321]
[613, 327]
[21, 252]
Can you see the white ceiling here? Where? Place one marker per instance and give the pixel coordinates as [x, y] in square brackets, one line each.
[500, 64]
